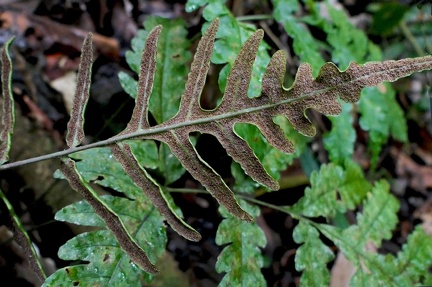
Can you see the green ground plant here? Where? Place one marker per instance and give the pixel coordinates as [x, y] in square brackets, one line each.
[262, 126]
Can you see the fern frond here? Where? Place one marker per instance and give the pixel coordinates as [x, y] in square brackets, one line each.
[75, 128]
[390, 121]
[375, 224]
[241, 259]
[112, 220]
[312, 256]
[380, 114]
[172, 67]
[8, 116]
[339, 142]
[124, 155]
[415, 257]
[108, 264]
[334, 189]
[378, 218]
[23, 239]
[406, 269]
[232, 34]
[305, 46]
[321, 93]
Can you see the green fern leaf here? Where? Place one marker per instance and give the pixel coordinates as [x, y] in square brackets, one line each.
[407, 269]
[241, 259]
[329, 184]
[312, 256]
[339, 142]
[347, 42]
[231, 36]
[382, 117]
[373, 269]
[99, 166]
[415, 257]
[383, 274]
[374, 224]
[108, 263]
[171, 65]
[380, 113]
[305, 46]
[112, 220]
[236, 107]
[378, 218]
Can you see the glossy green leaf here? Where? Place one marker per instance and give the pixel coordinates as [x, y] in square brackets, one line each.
[312, 256]
[241, 259]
